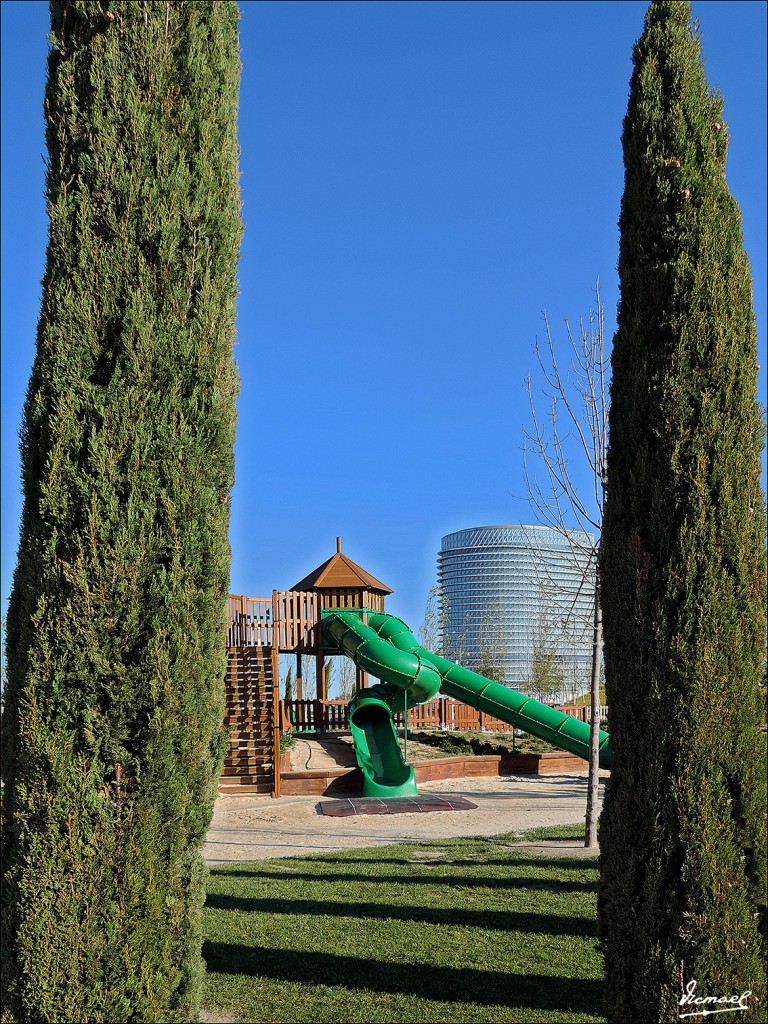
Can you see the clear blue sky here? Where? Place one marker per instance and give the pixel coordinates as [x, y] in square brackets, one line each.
[420, 181]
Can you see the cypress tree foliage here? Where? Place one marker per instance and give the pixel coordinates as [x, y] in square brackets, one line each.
[683, 871]
[112, 729]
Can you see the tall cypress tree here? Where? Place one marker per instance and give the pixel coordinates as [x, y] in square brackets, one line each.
[113, 713]
[683, 871]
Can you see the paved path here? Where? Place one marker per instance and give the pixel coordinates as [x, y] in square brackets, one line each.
[256, 828]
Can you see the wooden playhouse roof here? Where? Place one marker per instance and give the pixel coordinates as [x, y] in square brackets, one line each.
[340, 571]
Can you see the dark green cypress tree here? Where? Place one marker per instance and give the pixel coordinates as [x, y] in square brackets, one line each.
[112, 724]
[683, 870]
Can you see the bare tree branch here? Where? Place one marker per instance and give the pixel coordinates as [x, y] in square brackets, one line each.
[574, 428]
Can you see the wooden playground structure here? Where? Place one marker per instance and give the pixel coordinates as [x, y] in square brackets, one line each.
[261, 629]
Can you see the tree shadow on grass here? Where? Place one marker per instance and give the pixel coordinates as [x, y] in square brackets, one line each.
[513, 860]
[490, 920]
[432, 878]
[422, 980]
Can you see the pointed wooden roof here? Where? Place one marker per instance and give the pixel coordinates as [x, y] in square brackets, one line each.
[340, 571]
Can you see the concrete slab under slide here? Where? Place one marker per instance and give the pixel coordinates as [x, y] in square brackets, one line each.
[348, 806]
[257, 827]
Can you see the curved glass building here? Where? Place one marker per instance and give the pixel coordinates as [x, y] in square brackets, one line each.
[506, 590]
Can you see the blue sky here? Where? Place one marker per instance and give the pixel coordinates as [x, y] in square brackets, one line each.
[420, 181]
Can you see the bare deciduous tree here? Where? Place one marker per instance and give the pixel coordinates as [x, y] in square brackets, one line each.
[489, 660]
[308, 677]
[346, 679]
[573, 433]
[432, 632]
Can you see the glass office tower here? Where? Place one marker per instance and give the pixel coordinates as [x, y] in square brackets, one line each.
[506, 590]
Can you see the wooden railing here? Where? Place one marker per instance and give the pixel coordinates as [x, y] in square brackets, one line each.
[250, 621]
[352, 597]
[315, 715]
[288, 620]
[295, 617]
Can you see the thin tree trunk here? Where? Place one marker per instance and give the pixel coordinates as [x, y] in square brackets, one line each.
[593, 780]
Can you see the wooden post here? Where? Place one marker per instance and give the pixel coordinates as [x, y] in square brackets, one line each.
[320, 675]
[243, 638]
[319, 658]
[361, 677]
[275, 653]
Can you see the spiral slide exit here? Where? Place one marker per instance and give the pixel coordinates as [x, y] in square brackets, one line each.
[385, 647]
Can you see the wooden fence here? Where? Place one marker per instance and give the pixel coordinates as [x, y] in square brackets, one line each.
[442, 713]
[315, 715]
[582, 711]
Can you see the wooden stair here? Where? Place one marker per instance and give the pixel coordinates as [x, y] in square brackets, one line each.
[250, 709]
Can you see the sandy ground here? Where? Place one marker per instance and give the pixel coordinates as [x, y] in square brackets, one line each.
[336, 750]
[255, 827]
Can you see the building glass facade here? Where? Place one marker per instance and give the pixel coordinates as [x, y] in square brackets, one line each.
[507, 589]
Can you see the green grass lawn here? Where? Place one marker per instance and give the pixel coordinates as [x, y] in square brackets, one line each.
[482, 933]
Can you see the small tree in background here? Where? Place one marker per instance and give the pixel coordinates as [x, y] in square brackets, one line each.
[328, 674]
[112, 718]
[288, 685]
[489, 665]
[346, 679]
[683, 844]
[545, 680]
[574, 430]
[546, 677]
[490, 648]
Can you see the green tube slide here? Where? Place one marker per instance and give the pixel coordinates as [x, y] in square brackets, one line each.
[385, 773]
[385, 647]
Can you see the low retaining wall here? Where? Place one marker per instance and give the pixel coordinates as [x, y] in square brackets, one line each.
[349, 781]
